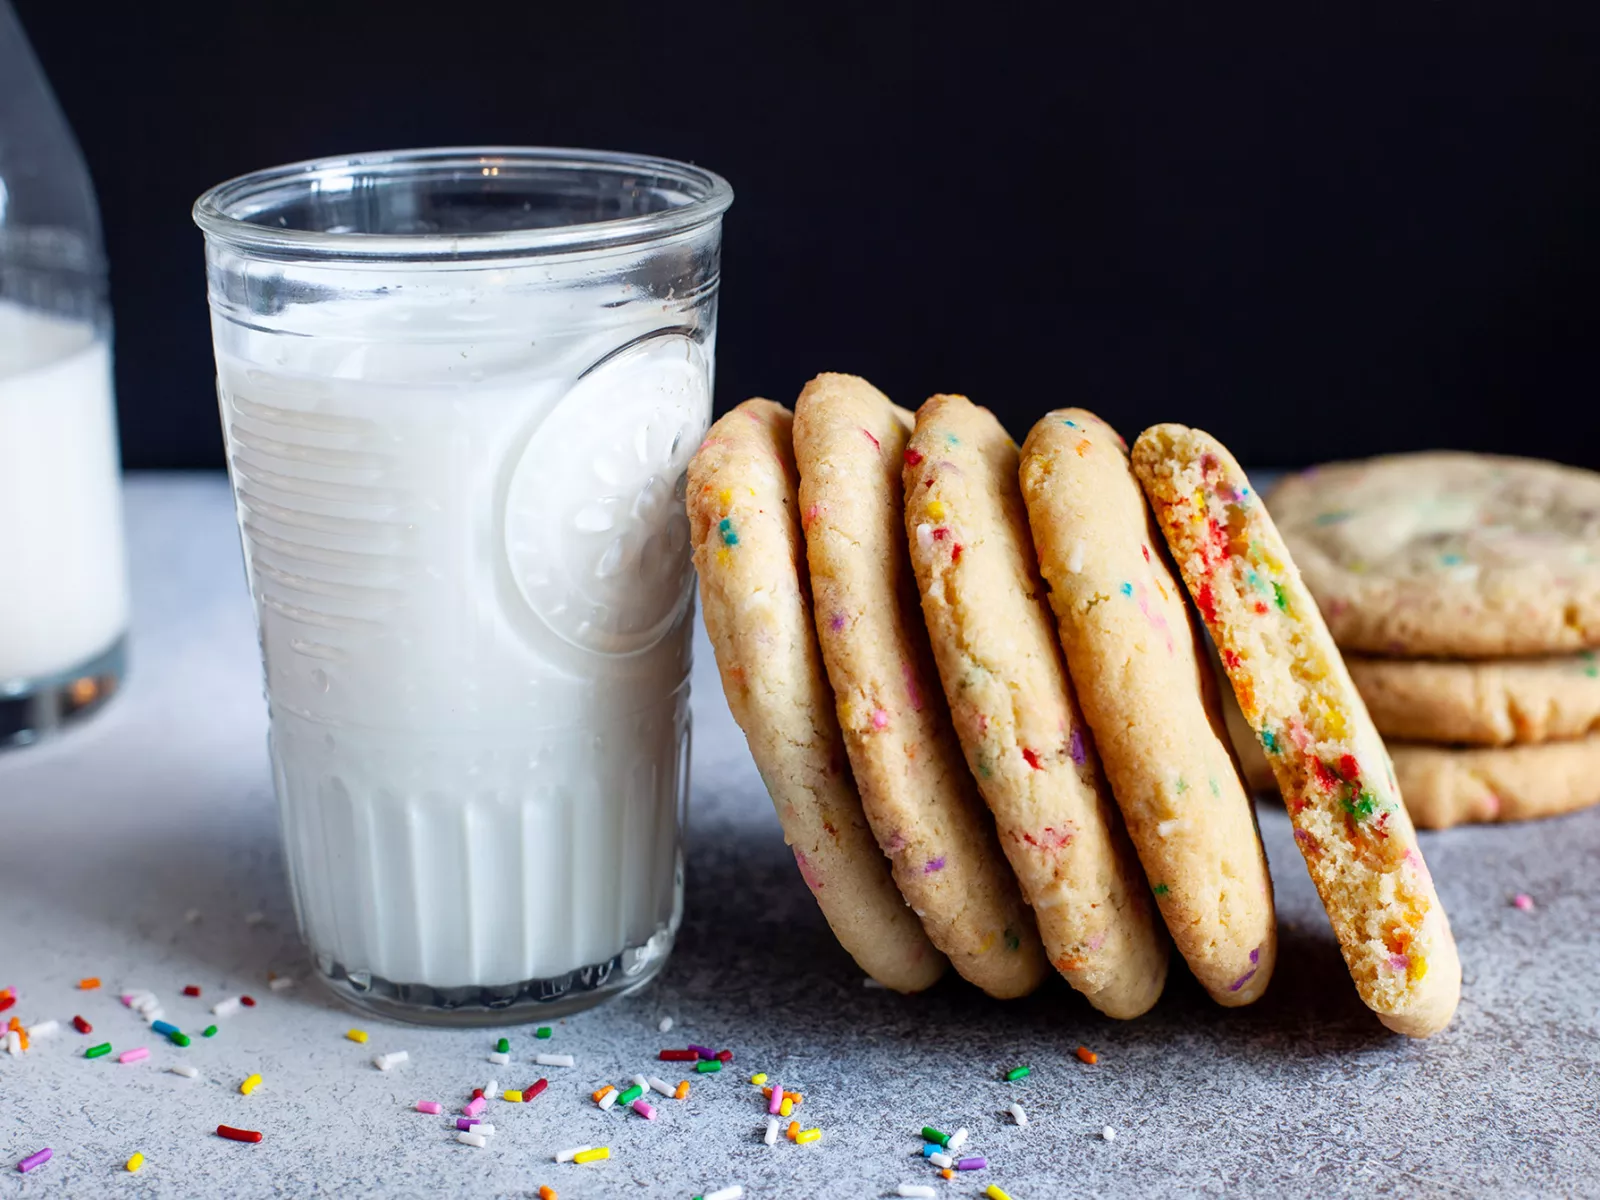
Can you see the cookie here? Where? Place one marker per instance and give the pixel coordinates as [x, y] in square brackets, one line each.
[1449, 555]
[745, 528]
[1146, 686]
[1512, 701]
[1445, 787]
[916, 791]
[1336, 780]
[1014, 712]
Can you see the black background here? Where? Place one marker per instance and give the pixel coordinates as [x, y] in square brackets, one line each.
[1378, 233]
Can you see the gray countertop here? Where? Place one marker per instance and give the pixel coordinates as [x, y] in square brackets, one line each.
[110, 835]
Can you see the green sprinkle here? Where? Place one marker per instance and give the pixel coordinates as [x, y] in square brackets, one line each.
[930, 1134]
[1333, 518]
[709, 1067]
[1017, 1073]
[1182, 785]
[1590, 667]
[1013, 942]
[629, 1096]
[729, 536]
[99, 1051]
[1160, 889]
[1215, 790]
[179, 1039]
[542, 1032]
[1268, 742]
[1362, 807]
[503, 1046]
[209, 1031]
[1277, 593]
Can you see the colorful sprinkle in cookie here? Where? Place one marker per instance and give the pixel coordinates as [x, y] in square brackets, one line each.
[1449, 555]
[1509, 702]
[1147, 689]
[1293, 688]
[916, 790]
[1445, 787]
[1253, 764]
[1014, 711]
[744, 518]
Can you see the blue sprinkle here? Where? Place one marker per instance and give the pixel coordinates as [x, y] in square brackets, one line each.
[729, 536]
[1127, 589]
[1070, 424]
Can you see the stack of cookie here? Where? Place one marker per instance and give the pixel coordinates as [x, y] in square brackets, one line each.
[1466, 590]
[977, 694]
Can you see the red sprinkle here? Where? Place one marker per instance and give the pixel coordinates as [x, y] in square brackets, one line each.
[477, 1093]
[912, 457]
[679, 1056]
[81, 1025]
[1349, 768]
[7, 999]
[238, 1135]
[876, 444]
[955, 553]
[1207, 603]
[1030, 758]
[191, 990]
[247, 1001]
[725, 1056]
[531, 1093]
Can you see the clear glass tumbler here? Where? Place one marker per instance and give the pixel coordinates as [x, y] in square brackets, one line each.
[459, 390]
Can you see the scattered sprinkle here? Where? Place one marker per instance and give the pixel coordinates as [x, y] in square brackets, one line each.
[85, 985]
[645, 1109]
[758, 1078]
[995, 1192]
[37, 1159]
[499, 1059]
[543, 1031]
[472, 1139]
[281, 982]
[632, 1094]
[599, 1093]
[770, 1137]
[976, 1162]
[1522, 901]
[940, 1159]
[134, 1162]
[594, 1155]
[682, 1092]
[357, 1035]
[724, 1056]
[209, 1031]
[727, 1193]
[958, 1139]
[937, 1136]
[250, 1084]
[431, 1107]
[512, 1095]
[546, 1192]
[678, 1056]
[44, 1029]
[247, 1001]
[163, 1027]
[709, 1067]
[467, 1122]
[185, 1070]
[474, 1106]
[555, 1060]
[1108, 1133]
[915, 1189]
[606, 1101]
[394, 1058]
[1017, 1073]
[534, 1092]
[137, 1054]
[660, 1085]
[774, 1099]
[179, 1039]
[81, 1025]
[191, 990]
[568, 1155]
[97, 1051]
[806, 1136]
[503, 1046]
[226, 1008]
[238, 1135]
[665, 1025]
[703, 1051]
[1017, 1115]
[1087, 1055]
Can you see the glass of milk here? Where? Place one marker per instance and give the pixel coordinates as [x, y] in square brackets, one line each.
[459, 390]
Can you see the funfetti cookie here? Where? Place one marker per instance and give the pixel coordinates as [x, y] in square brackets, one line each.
[1444, 786]
[1492, 703]
[1449, 555]
[1146, 686]
[915, 789]
[1014, 711]
[745, 527]
[1349, 822]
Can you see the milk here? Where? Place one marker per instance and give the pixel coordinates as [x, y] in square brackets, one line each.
[471, 571]
[63, 590]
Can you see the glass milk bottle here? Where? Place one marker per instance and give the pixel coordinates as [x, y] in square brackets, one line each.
[459, 391]
[63, 590]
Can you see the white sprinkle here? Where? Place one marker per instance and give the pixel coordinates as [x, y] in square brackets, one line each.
[1168, 828]
[482, 1127]
[153, 1015]
[143, 1002]
[186, 1071]
[281, 982]
[393, 1059]
[1075, 559]
[662, 1086]
[13, 1043]
[727, 1193]
[957, 1139]
[941, 1160]
[192, 915]
[924, 535]
[1017, 1115]
[555, 1060]
[569, 1155]
[1109, 1134]
[44, 1029]
[870, 982]
[642, 1081]
[499, 1059]
[770, 1137]
[664, 1025]
[471, 1139]
[254, 918]
[915, 1189]
[226, 1008]
[491, 1088]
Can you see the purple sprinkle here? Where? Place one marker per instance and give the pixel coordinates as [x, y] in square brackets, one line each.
[976, 1163]
[1243, 979]
[1075, 747]
[702, 1051]
[934, 864]
[468, 1122]
[837, 623]
[37, 1159]
[1255, 955]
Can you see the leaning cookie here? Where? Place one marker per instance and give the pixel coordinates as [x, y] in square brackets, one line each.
[1014, 710]
[1449, 555]
[915, 789]
[1337, 784]
[743, 513]
[1501, 702]
[1146, 687]
[1444, 786]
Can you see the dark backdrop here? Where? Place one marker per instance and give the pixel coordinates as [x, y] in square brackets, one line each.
[1317, 242]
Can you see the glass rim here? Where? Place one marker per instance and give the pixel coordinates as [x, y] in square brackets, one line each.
[223, 212]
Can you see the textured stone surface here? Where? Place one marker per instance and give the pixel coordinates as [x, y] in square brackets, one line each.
[163, 804]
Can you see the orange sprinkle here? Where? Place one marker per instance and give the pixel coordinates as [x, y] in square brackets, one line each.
[84, 985]
[546, 1192]
[683, 1090]
[15, 1026]
[1087, 1055]
[794, 1129]
[601, 1094]
[947, 1173]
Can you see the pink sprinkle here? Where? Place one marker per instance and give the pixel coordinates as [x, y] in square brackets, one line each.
[913, 693]
[876, 444]
[934, 864]
[430, 1106]
[880, 719]
[1522, 901]
[474, 1106]
[645, 1110]
[1399, 962]
[127, 999]
[776, 1102]
[813, 881]
[133, 1056]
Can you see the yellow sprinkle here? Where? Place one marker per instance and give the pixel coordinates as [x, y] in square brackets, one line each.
[134, 1163]
[514, 1096]
[595, 1155]
[725, 496]
[786, 1107]
[1417, 969]
[357, 1035]
[994, 1192]
[250, 1084]
[936, 509]
[807, 1135]
[723, 557]
[758, 1078]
